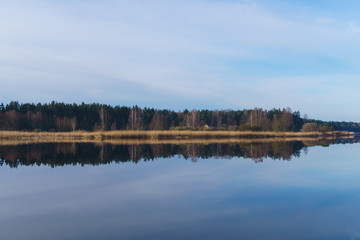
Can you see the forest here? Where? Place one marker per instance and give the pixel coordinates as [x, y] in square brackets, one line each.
[59, 117]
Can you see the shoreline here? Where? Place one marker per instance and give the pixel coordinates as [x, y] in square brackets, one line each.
[168, 141]
[160, 136]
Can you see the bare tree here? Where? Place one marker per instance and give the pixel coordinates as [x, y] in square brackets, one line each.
[135, 119]
[192, 119]
[73, 122]
[158, 122]
[103, 117]
[217, 118]
[283, 121]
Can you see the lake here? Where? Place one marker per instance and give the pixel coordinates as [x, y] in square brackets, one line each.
[261, 190]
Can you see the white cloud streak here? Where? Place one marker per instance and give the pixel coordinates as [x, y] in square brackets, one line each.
[141, 52]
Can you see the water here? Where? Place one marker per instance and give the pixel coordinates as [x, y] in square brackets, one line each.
[292, 190]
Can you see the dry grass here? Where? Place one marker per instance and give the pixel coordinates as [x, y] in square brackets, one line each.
[158, 136]
[5, 142]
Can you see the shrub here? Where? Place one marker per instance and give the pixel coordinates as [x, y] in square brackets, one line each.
[325, 128]
[233, 128]
[245, 127]
[277, 126]
[256, 128]
[310, 127]
[180, 128]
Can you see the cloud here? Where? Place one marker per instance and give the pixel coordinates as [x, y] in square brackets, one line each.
[200, 53]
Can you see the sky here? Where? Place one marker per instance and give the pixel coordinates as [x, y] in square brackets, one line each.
[188, 54]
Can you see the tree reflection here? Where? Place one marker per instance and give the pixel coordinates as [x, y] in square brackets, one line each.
[60, 154]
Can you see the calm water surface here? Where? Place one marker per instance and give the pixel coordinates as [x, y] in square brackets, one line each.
[217, 191]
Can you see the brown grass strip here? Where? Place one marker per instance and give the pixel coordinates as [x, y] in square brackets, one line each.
[164, 141]
[164, 136]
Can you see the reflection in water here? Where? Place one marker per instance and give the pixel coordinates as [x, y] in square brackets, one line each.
[315, 197]
[60, 154]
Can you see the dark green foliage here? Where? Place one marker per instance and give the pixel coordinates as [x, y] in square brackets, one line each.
[273, 112]
[57, 116]
[338, 126]
[298, 121]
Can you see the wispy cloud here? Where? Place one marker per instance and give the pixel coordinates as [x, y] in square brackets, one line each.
[205, 54]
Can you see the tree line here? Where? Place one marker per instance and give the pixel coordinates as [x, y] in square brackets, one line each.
[58, 116]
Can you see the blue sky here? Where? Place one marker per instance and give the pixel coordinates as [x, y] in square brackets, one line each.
[184, 54]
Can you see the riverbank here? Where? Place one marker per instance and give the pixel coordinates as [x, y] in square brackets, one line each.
[164, 135]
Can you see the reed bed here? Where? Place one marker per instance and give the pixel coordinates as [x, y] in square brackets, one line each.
[7, 142]
[162, 135]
